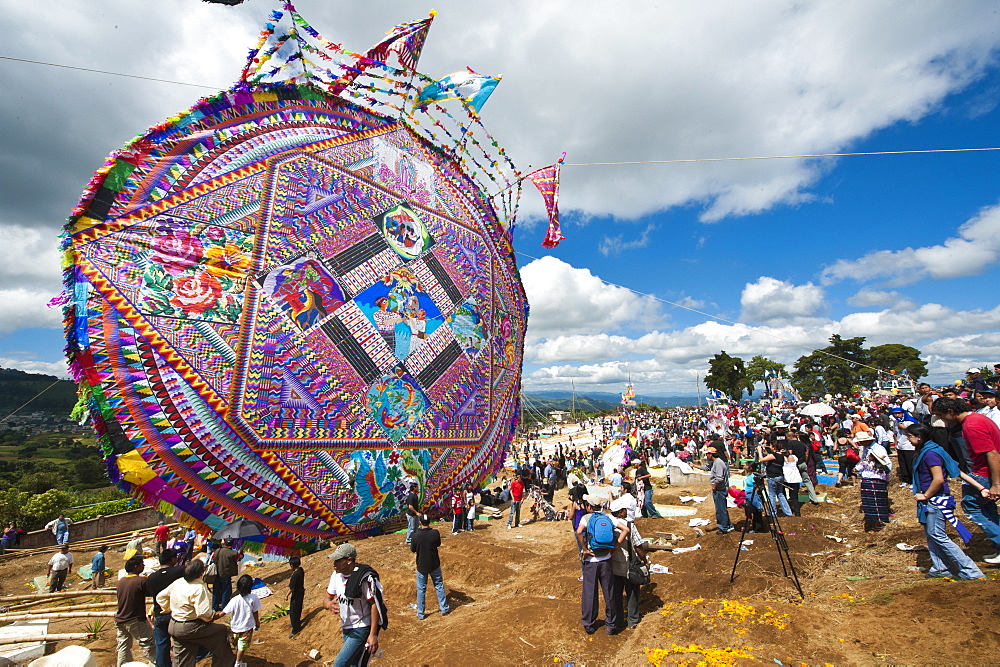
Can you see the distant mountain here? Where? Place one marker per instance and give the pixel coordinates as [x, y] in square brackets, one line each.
[609, 399]
[18, 387]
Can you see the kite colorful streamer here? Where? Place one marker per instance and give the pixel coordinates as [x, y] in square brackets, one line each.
[286, 306]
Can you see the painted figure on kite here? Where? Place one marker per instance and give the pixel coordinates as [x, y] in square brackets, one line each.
[300, 295]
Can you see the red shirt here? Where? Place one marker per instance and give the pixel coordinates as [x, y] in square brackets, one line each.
[162, 533]
[517, 490]
[981, 435]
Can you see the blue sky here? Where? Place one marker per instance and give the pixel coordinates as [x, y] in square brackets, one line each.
[897, 248]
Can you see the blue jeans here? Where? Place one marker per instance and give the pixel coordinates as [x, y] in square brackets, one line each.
[647, 505]
[5, 544]
[412, 522]
[62, 537]
[222, 591]
[515, 512]
[354, 646]
[721, 511]
[776, 493]
[422, 592]
[982, 511]
[162, 639]
[942, 549]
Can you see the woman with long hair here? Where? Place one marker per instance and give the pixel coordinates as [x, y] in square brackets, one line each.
[932, 467]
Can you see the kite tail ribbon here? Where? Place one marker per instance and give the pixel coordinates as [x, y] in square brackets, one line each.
[546, 180]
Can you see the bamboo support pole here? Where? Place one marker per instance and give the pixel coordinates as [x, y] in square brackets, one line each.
[70, 636]
[6, 618]
[112, 541]
[57, 596]
[49, 610]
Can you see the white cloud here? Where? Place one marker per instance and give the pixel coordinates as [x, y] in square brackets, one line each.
[565, 300]
[869, 297]
[976, 248]
[769, 300]
[56, 368]
[691, 302]
[925, 323]
[692, 80]
[615, 245]
[29, 257]
[23, 309]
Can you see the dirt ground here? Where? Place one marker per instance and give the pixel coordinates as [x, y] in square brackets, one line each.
[516, 598]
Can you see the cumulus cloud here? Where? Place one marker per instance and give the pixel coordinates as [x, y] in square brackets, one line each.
[718, 79]
[567, 300]
[769, 300]
[972, 251]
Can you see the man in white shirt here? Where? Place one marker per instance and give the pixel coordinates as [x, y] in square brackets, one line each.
[355, 593]
[59, 567]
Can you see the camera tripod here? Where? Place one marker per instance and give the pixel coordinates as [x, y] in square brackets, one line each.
[760, 489]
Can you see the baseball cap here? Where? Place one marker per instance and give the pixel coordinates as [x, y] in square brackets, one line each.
[618, 504]
[973, 370]
[344, 550]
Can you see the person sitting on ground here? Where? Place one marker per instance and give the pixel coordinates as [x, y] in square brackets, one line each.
[244, 608]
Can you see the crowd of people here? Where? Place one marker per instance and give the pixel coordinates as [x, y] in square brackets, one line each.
[923, 442]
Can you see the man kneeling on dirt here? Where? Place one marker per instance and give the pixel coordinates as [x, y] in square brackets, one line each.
[596, 538]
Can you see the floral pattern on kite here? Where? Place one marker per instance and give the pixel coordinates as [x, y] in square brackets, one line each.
[195, 273]
[396, 403]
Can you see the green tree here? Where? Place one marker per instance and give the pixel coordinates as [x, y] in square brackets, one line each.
[758, 364]
[12, 505]
[47, 506]
[728, 375]
[90, 472]
[837, 368]
[40, 482]
[893, 356]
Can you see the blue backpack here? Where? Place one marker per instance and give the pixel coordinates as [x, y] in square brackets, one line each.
[600, 532]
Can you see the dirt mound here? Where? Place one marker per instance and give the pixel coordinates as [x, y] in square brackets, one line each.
[515, 596]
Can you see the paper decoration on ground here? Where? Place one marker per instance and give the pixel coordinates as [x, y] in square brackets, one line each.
[284, 305]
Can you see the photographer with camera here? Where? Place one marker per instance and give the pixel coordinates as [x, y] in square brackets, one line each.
[773, 460]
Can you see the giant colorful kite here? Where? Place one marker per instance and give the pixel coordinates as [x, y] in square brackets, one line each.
[295, 298]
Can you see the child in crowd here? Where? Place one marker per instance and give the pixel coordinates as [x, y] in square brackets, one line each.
[244, 609]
